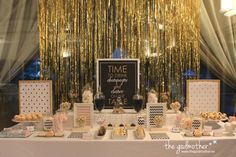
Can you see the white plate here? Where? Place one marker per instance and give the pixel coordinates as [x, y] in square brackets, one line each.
[25, 121]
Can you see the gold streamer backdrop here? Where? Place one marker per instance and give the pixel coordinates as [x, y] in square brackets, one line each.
[163, 34]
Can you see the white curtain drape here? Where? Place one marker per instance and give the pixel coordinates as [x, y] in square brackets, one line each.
[18, 36]
[218, 41]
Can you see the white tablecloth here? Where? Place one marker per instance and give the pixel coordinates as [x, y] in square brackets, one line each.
[63, 147]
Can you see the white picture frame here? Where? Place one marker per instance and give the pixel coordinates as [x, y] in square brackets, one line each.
[86, 110]
[203, 96]
[35, 96]
[155, 109]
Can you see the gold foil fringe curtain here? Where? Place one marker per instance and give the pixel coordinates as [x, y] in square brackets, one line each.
[163, 34]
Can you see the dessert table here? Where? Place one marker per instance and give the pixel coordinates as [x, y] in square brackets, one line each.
[177, 144]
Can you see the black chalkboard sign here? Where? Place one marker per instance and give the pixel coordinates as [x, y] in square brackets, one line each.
[118, 78]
